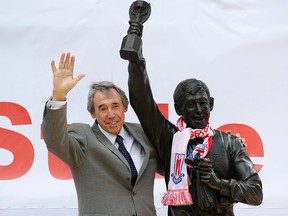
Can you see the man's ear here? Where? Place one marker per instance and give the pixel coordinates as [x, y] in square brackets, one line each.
[93, 115]
[178, 109]
[211, 103]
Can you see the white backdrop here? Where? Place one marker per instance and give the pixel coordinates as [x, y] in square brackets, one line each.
[239, 48]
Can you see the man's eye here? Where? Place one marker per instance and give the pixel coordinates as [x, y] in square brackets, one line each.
[203, 103]
[116, 106]
[189, 105]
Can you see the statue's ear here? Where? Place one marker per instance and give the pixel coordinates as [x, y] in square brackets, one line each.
[178, 109]
[211, 103]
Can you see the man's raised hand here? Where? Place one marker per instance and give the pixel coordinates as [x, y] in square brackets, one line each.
[63, 79]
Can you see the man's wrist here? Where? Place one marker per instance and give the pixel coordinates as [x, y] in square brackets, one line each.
[58, 96]
[225, 187]
[55, 105]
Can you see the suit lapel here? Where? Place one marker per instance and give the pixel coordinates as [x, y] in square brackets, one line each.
[106, 142]
[135, 134]
[139, 139]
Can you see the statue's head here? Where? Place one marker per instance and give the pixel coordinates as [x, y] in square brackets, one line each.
[192, 101]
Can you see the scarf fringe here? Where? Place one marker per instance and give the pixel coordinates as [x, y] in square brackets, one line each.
[177, 198]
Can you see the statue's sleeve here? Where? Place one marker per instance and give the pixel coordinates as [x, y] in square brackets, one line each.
[155, 125]
[245, 186]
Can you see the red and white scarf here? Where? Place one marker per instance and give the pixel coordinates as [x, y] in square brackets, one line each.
[178, 191]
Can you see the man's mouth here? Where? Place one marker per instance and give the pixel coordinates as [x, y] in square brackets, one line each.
[198, 118]
[112, 123]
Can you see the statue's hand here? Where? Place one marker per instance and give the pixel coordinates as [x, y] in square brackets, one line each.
[136, 66]
[208, 176]
[189, 162]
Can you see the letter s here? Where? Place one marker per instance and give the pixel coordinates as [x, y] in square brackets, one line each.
[19, 145]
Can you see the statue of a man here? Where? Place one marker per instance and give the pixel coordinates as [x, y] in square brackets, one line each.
[206, 170]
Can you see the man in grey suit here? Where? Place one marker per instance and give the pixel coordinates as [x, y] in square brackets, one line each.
[102, 176]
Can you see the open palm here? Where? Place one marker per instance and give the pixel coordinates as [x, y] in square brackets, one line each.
[63, 80]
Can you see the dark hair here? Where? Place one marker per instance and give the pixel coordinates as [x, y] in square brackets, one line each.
[104, 86]
[190, 86]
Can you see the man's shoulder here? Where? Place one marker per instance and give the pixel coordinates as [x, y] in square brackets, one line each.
[227, 139]
[133, 128]
[133, 125]
[77, 126]
[225, 134]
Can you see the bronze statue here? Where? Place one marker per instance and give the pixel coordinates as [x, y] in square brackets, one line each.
[206, 170]
[131, 46]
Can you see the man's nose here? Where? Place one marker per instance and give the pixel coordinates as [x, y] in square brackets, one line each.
[198, 107]
[111, 113]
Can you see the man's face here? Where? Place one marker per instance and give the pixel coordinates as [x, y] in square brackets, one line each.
[196, 109]
[109, 111]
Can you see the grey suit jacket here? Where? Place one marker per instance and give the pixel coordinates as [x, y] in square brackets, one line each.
[100, 172]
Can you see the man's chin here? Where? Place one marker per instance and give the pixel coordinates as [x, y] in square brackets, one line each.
[198, 124]
[113, 129]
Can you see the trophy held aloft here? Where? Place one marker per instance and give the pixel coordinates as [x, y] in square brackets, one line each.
[131, 47]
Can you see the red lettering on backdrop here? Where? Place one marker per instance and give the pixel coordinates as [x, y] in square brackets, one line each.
[57, 168]
[23, 152]
[19, 145]
[252, 139]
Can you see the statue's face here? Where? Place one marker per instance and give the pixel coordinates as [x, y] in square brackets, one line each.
[196, 109]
